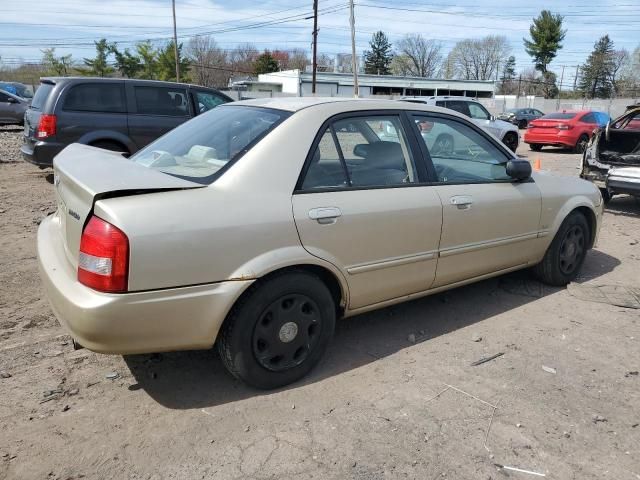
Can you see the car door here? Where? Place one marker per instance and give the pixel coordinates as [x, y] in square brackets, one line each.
[154, 110]
[490, 223]
[11, 111]
[362, 204]
[481, 117]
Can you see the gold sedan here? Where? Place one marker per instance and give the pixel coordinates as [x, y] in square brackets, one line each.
[256, 225]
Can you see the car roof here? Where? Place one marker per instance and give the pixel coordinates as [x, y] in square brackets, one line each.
[346, 104]
[441, 97]
[61, 80]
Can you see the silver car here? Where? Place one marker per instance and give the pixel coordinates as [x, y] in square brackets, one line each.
[260, 223]
[503, 131]
[12, 108]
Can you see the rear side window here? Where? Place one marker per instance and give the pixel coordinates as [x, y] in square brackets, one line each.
[460, 107]
[164, 101]
[96, 97]
[589, 118]
[41, 95]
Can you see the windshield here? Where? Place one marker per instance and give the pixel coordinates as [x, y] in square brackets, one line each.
[199, 149]
[558, 116]
[41, 96]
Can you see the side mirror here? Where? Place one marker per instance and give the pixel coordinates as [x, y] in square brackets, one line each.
[492, 118]
[11, 100]
[519, 169]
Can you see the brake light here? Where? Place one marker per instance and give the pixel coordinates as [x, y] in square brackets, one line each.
[103, 263]
[564, 126]
[46, 126]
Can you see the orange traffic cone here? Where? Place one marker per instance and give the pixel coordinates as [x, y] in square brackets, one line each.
[537, 164]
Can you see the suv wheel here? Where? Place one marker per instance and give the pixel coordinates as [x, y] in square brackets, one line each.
[279, 330]
[511, 140]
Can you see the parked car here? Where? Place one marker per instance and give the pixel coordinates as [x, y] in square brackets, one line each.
[502, 130]
[568, 129]
[12, 108]
[18, 89]
[115, 114]
[520, 116]
[259, 223]
[612, 159]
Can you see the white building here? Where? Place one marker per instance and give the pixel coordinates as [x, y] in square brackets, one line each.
[332, 84]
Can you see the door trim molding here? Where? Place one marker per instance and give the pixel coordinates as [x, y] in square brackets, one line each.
[391, 262]
[445, 252]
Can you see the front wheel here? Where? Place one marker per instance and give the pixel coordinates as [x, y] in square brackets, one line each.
[536, 147]
[511, 140]
[279, 330]
[564, 257]
[582, 143]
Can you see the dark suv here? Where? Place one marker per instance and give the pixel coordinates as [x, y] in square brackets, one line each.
[116, 114]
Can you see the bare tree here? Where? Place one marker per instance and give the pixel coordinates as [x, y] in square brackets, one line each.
[210, 65]
[479, 59]
[298, 59]
[417, 56]
[619, 60]
[325, 62]
[243, 57]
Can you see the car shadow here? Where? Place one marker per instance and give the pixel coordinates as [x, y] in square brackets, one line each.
[624, 205]
[197, 379]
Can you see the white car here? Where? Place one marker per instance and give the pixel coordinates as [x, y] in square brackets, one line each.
[504, 131]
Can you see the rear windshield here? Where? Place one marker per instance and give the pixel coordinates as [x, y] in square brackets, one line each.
[201, 148]
[41, 96]
[558, 116]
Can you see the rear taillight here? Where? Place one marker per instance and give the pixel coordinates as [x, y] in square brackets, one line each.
[103, 263]
[563, 126]
[46, 126]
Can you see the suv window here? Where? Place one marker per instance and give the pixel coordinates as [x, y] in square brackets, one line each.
[459, 106]
[459, 153]
[161, 101]
[96, 97]
[206, 101]
[478, 112]
[41, 96]
[363, 151]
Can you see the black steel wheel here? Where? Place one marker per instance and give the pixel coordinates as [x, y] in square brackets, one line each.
[511, 140]
[278, 330]
[564, 257]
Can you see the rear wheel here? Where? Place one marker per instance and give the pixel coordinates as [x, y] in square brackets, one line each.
[522, 124]
[582, 143]
[511, 140]
[279, 330]
[536, 147]
[564, 257]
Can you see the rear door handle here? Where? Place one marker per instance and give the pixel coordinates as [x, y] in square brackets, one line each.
[325, 215]
[461, 201]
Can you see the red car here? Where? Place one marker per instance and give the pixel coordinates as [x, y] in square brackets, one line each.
[568, 129]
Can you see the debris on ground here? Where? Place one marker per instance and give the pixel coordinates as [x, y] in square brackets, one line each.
[112, 375]
[599, 419]
[476, 337]
[66, 408]
[549, 369]
[5, 375]
[631, 374]
[514, 469]
[486, 359]
[618, 295]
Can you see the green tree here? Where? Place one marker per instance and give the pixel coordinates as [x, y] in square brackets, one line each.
[99, 66]
[148, 56]
[127, 63]
[595, 74]
[166, 60]
[507, 86]
[378, 60]
[53, 65]
[546, 39]
[265, 63]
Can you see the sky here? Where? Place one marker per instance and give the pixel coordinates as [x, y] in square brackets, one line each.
[72, 25]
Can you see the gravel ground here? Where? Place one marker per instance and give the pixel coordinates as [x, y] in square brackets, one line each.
[396, 396]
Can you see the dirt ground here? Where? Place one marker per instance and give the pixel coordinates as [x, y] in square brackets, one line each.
[395, 397]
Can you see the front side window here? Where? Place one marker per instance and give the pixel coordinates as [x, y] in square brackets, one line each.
[4, 98]
[198, 149]
[459, 153]
[95, 97]
[165, 101]
[372, 151]
[205, 101]
[478, 112]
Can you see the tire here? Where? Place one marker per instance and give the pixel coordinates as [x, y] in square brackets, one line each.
[564, 257]
[110, 145]
[443, 145]
[522, 124]
[536, 147]
[279, 330]
[510, 139]
[581, 144]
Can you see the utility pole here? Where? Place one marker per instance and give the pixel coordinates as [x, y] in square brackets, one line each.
[314, 63]
[175, 41]
[560, 88]
[354, 60]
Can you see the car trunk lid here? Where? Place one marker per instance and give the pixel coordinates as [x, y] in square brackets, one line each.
[547, 123]
[84, 174]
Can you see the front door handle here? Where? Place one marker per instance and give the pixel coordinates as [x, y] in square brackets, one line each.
[463, 202]
[325, 215]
